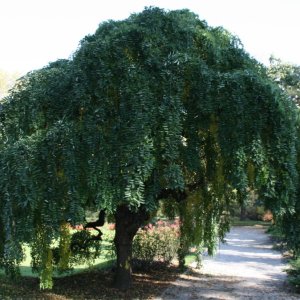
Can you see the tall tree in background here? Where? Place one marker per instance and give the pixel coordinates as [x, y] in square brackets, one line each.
[159, 106]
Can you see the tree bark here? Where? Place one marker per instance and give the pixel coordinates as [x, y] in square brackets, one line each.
[243, 212]
[183, 245]
[127, 224]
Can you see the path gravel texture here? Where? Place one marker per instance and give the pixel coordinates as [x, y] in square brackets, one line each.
[245, 267]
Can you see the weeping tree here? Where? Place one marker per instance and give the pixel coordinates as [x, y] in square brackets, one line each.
[157, 107]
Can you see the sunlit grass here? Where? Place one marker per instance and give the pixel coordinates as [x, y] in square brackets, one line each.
[190, 258]
[238, 222]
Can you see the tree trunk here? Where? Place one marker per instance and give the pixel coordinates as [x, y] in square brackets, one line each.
[183, 244]
[243, 212]
[127, 224]
[123, 245]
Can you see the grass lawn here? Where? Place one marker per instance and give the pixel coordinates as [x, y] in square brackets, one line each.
[238, 222]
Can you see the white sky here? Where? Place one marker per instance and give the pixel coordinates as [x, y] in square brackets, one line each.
[35, 32]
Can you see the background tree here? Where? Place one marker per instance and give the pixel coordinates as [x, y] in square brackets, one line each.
[7, 80]
[159, 106]
[287, 76]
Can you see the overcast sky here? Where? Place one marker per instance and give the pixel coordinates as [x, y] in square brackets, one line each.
[36, 32]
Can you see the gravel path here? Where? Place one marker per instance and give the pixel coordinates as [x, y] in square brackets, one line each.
[245, 267]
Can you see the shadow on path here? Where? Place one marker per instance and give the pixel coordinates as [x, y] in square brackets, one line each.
[245, 267]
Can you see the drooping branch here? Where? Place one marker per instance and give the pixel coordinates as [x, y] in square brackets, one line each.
[98, 223]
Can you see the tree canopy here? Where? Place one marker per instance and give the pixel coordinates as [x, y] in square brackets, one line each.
[159, 106]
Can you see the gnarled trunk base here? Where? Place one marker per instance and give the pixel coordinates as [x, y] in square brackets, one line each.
[127, 224]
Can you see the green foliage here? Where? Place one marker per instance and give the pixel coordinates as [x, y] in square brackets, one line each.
[65, 250]
[85, 249]
[287, 76]
[49, 254]
[46, 281]
[157, 106]
[42, 256]
[294, 273]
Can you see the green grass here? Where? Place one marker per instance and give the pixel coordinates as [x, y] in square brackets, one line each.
[237, 222]
[190, 258]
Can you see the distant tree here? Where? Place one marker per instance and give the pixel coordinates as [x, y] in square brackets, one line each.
[287, 76]
[7, 80]
[157, 108]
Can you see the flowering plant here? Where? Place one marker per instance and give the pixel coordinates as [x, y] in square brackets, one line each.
[157, 242]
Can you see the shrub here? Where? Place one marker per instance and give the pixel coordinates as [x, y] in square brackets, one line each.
[294, 273]
[268, 216]
[82, 249]
[111, 226]
[155, 243]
